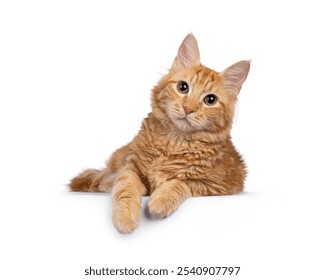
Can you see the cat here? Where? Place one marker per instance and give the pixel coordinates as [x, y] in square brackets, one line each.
[183, 148]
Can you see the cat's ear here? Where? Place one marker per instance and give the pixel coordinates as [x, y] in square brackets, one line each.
[188, 54]
[235, 75]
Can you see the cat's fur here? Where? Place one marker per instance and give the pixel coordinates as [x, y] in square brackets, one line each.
[183, 148]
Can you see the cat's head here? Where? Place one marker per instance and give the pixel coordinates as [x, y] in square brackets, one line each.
[192, 97]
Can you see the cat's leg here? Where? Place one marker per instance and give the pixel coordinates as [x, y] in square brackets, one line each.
[116, 162]
[93, 180]
[127, 193]
[168, 197]
[170, 194]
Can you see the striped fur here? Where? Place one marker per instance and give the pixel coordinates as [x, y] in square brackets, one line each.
[183, 148]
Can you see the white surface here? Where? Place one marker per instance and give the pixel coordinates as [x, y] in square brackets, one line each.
[75, 84]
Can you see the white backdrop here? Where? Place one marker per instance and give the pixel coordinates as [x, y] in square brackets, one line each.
[75, 81]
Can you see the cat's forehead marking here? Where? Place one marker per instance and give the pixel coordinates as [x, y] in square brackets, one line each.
[196, 77]
[203, 79]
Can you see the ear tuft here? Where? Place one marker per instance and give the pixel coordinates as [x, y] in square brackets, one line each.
[188, 53]
[235, 75]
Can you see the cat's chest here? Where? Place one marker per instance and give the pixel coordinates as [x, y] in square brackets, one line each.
[182, 159]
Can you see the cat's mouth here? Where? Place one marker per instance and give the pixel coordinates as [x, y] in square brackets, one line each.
[184, 119]
[183, 123]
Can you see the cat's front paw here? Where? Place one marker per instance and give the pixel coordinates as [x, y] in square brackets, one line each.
[162, 205]
[126, 217]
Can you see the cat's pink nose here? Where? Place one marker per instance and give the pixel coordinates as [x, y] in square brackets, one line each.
[188, 110]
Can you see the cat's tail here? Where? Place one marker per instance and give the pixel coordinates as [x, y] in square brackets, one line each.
[91, 180]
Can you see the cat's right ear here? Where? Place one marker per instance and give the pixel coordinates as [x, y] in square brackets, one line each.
[188, 54]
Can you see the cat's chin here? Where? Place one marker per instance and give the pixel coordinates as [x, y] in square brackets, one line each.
[184, 124]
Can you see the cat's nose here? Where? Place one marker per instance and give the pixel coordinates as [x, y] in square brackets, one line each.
[188, 110]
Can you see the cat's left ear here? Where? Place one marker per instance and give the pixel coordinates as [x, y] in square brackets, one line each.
[235, 75]
[188, 54]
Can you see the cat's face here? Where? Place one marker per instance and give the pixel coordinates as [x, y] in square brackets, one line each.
[195, 98]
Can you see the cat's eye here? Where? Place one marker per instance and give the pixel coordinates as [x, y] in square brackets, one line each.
[183, 87]
[210, 99]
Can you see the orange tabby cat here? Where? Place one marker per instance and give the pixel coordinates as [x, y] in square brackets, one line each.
[183, 148]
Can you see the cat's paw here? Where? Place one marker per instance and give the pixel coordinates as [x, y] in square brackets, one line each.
[161, 206]
[126, 217]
